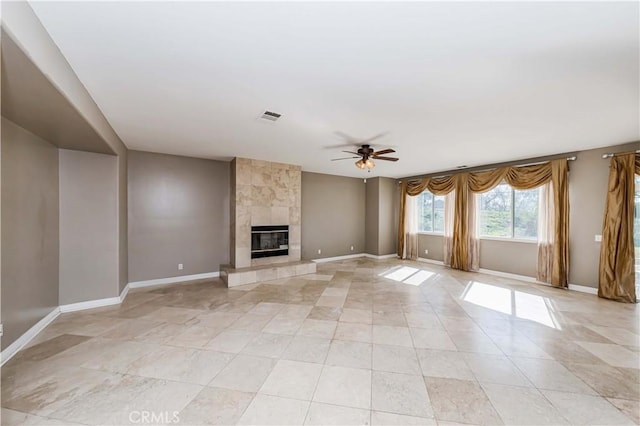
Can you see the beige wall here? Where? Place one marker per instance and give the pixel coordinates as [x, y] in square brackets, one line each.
[588, 177]
[178, 213]
[29, 230]
[88, 226]
[333, 215]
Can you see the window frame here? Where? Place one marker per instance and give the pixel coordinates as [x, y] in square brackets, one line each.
[433, 217]
[513, 220]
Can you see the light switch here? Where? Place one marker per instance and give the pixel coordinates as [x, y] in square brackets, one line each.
[598, 238]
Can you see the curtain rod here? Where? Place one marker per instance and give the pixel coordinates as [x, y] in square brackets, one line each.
[492, 167]
[613, 154]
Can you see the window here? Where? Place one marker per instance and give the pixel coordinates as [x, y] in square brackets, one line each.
[430, 213]
[508, 213]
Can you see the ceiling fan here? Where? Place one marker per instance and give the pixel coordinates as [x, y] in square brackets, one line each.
[366, 155]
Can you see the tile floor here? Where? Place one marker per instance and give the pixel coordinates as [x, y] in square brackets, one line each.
[360, 342]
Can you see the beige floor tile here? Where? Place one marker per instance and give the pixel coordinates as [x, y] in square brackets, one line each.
[251, 322]
[617, 335]
[279, 325]
[460, 401]
[445, 364]
[273, 410]
[350, 387]
[267, 345]
[244, 373]
[432, 339]
[349, 354]
[551, 375]
[326, 414]
[395, 359]
[180, 364]
[359, 316]
[608, 381]
[354, 332]
[318, 328]
[400, 394]
[172, 315]
[391, 335]
[307, 349]
[379, 418]
[215, 406]
[472, 341]
[522, 406]
[495, 369]
[590, 351]
[163, 398]
[615, 355]
[586, 409]
[232, 341]
[629, 408]
[292, 379]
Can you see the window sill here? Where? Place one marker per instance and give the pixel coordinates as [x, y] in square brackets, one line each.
[437, 234]
[509, 240]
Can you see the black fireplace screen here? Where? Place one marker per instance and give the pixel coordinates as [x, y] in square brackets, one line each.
[267, 241]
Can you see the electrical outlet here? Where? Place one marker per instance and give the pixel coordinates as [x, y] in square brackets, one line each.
[598, 238]
[319, 251]
[180, 266]
[426, 251]
[1, 329]
[351, 248]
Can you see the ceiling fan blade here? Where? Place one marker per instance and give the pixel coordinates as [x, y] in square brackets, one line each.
[378, 136]
[345, 136]
[351, 152]
[384, 151]
[387, 158]
[343, 158]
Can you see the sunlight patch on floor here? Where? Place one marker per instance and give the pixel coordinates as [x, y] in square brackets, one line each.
[511, 302]
[407, 275]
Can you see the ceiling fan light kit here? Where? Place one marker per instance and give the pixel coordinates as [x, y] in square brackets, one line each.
[367, 155]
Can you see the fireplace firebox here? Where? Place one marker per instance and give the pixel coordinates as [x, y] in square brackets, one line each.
[267, 241]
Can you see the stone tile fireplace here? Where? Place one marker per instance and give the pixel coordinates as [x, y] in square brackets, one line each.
[264, 196]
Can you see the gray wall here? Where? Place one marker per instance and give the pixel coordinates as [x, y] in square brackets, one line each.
[88, 226]
[333, 215]
[23, 26]
[381, 216]
[29, 230]
[588, 176]
[388, 216]
[372, 215]
[588, 179]
[178, 213]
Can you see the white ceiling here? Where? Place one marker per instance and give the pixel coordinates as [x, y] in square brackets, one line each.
[451, 83]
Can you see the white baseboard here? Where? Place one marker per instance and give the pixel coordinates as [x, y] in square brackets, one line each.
[90, 304]
[384, 256]
[336, 258]
[173, 280]
[23, 340]
[435, 262]
[583, 289]
[518, 277]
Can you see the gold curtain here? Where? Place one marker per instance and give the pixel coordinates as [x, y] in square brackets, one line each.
[524, 177]
[617, 270]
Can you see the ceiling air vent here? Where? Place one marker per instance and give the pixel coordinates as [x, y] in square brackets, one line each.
[270, 115]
